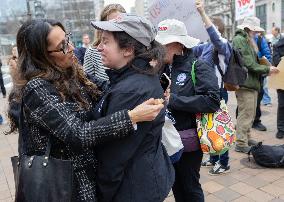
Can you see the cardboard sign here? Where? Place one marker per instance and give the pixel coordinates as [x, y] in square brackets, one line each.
[244, 8]
[181, 10]
[276, 81]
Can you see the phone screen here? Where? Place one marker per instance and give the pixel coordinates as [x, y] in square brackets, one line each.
[165, 82]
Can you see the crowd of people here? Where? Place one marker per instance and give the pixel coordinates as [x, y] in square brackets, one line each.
[102, 105]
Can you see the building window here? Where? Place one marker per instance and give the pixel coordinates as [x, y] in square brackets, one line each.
[260, 12]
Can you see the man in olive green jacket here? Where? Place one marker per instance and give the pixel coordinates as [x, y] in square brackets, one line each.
[247, 94]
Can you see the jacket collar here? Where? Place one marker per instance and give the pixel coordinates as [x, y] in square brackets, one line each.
[179, 59]
[242, 33]
[117, 75]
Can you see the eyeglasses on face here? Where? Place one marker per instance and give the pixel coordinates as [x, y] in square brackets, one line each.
[64, 45]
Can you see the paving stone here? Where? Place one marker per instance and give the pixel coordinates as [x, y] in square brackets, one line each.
[212, 198]
[269, 176]
[243, 199]
[239, 175]
[255, 181]
[259, 196]
[273, 190]
[5, 194]
[277, 200]
[279, 183]
[227, 194]
[212, 187]
[227, 180]
[242, 188]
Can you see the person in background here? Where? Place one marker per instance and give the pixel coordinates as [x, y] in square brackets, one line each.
[276, 35]
[247, 93]
[2, 86]
[59, 104]
[80, 52]
[3, 90]
[187, 99]
[93, 62]
[278, 52]
[217, 47]
[263, 51]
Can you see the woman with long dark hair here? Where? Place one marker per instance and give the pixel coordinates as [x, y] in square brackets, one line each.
[59, 102]
[136, 168]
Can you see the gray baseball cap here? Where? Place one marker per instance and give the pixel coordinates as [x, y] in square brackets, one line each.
[137, 27]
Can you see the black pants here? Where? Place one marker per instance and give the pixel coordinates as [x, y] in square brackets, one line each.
[3, 90]
[280, 111]
[259, 98]
[187, 187]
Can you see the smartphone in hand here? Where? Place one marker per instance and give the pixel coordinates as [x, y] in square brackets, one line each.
[165, 81]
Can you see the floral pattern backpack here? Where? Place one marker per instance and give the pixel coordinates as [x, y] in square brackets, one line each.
[216, 131]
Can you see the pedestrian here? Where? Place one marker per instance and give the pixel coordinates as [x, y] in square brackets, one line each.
[263, 51]
[135, 168]
[278, 52]
[59, 104]
[276, 35]
[80, 51]
[93, 61]
[217, 54]
[2, 86]
[247, 94]
[187, 99]
[12, 62]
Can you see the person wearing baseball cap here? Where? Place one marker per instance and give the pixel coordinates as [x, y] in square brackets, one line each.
[247, 93]
[136, 168]
[186, 99]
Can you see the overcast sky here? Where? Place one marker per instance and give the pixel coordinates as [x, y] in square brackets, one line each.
[127, 4]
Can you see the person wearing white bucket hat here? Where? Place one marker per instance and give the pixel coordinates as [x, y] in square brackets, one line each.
[187, 99]
[247, 94]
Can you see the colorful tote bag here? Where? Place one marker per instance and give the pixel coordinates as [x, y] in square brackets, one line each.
[216, 131]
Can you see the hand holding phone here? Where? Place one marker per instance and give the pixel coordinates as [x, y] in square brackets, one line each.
[165, 81]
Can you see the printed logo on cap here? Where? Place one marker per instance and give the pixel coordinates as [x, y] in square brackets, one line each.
[163, 28]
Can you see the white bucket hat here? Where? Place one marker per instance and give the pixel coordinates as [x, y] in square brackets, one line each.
[253, 23]
[172, 30]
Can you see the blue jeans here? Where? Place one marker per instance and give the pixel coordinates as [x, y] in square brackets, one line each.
[224, 94]
[1, 119]
[266, 99]
[223, 159]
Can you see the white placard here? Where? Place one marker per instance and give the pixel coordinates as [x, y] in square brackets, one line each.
[244, 8]
[182, 10]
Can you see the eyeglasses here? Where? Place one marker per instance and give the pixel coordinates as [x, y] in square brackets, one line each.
[64, 45]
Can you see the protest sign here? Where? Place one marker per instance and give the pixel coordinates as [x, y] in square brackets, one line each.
[244, 8]
[276, 81]
[181, 10]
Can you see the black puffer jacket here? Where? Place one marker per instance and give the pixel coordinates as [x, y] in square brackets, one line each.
[186, 99]
[278, 51]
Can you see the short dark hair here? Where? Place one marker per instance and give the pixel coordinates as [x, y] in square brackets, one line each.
[155, 52]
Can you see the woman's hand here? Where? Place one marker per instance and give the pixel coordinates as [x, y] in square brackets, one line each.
[147, 111]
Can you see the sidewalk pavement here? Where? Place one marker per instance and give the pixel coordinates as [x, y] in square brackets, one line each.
[245, 183]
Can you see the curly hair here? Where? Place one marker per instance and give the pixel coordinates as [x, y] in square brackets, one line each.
[34, 62]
